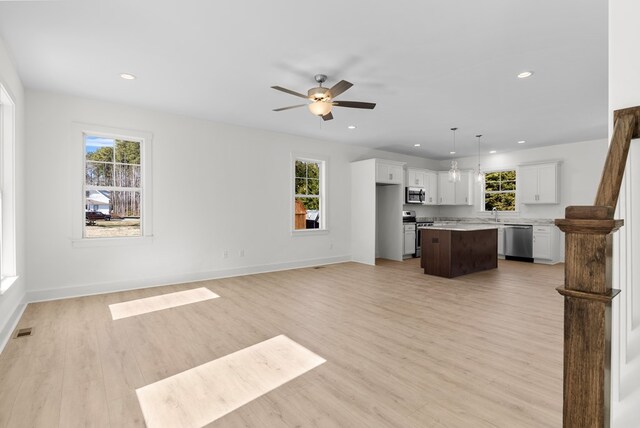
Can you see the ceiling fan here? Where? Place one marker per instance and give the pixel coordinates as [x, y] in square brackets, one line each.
[322, 99]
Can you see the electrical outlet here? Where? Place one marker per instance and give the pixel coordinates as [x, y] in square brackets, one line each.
[225, 254]
[241, 253]
[331, 245]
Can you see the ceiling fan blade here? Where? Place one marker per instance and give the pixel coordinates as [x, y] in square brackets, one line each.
[354, 104]
[289, 91]
[327, 116]
[339, 88]
[288, 108]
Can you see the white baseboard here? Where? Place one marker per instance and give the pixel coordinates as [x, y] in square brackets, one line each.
[110, 287]
[11, 324]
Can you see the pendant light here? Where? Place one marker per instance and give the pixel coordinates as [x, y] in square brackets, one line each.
[478, 173]
[454, 172]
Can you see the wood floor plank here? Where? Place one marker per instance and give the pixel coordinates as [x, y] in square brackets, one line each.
[402, 348]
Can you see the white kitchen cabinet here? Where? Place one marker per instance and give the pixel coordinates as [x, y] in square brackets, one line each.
[415, 178]
[389, 173]
[431, 188]
[501, 242]
[538, 184]
[458, 193]
[463, 188]
[546, 245]
[409, 239]
[446, 189]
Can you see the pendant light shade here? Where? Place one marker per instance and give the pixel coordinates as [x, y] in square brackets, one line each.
[454, 172]
[478, 172]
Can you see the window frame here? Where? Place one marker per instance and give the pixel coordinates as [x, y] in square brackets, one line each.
[8, 255]
[146, 194]
[483, 191]
[322, 172]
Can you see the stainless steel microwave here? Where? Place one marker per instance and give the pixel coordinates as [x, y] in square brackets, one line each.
[415, 195]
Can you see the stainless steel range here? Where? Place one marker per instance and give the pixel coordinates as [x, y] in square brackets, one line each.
[409, 228]
[420, 225]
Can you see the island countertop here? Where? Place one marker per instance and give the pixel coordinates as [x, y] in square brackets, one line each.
[462, 227]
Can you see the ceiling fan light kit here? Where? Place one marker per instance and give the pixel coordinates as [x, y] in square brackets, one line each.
[322, 98]
[320, 108]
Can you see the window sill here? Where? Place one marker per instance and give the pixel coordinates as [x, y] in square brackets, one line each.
[309, 232]
[110, 242]
[6, 283]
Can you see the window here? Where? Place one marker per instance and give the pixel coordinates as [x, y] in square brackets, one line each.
[113, 190]
[8, 272]
[500, 190]
[308, 194]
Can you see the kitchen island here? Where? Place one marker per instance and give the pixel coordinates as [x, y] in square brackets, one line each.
[459, 249]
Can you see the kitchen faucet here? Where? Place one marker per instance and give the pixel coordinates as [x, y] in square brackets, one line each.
[495, 213]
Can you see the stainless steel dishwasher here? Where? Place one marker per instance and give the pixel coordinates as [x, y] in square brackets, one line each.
[518, 242]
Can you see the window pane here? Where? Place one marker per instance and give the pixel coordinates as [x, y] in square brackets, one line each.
[313, 187]
[492, 176]
[492, 186]
[127, 152]
[313, 170]
[127, 175]
[301, 186]
[508, 185]
[112, 214]
[307, 213]
[99, 174]
[98, 148]
[508, 176]
[301, 169]
[501, 201]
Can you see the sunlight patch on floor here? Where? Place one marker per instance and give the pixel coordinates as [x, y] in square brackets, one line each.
[199, 396]
[158, 303]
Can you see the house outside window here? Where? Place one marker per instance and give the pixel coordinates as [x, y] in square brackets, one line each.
[500, 190]
[308, 194]
[113, 187]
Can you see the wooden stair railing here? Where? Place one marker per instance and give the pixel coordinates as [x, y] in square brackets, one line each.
[587, 287]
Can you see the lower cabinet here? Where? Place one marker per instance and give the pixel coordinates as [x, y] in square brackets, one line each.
[546, 244]
[501, 242]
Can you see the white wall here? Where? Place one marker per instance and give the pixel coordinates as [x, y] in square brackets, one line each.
[11, 302]
[216, 187]
[580, 169]
[624, 91]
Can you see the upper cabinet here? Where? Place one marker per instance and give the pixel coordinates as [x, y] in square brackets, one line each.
[389, 172]
[431, 188]
[415, 178]
[446, 189]
[463, 189]
[538, 183]
[458, 193]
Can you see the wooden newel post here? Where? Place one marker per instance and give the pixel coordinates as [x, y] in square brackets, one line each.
[587, 288]
[587, 315]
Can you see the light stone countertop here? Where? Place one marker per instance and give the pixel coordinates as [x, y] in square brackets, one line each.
[462, 227]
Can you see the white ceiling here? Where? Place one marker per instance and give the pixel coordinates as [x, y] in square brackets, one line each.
[429, 65]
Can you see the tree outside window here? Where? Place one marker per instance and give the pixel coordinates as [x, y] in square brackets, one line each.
[500, 190]
[308, 194]
[113, 187]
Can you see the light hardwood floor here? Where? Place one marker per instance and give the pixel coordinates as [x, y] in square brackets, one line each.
[403, 349]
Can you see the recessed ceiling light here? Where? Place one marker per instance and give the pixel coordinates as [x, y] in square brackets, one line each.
[452, 153]
[521, 142]
[351, 127]
[525, 74]
[127, 76]
[416, 145]
[492, 151]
